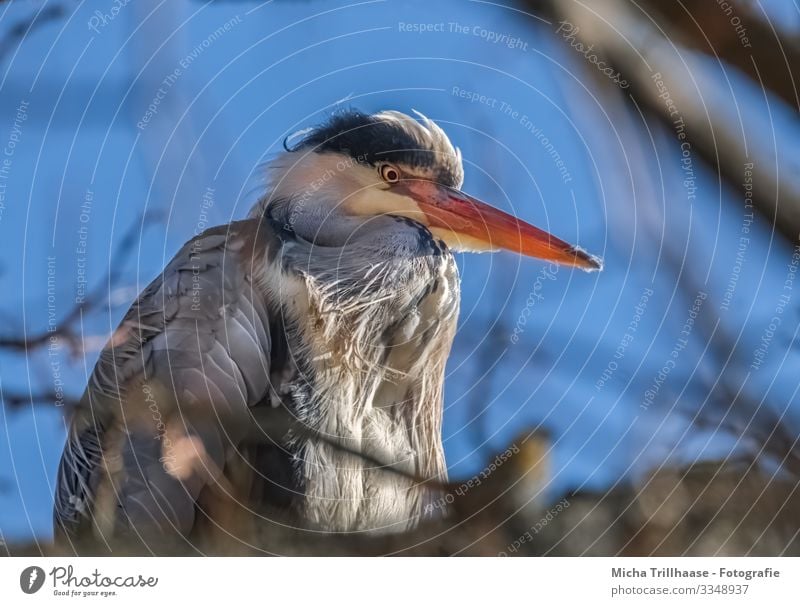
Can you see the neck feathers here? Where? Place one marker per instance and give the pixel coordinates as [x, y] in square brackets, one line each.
[374, 340]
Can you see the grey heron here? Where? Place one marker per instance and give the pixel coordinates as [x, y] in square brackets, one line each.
[335, 300]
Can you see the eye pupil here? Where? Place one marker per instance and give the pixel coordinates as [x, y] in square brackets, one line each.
[391, 174]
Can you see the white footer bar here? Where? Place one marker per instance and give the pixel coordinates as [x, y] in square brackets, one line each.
[401, 581]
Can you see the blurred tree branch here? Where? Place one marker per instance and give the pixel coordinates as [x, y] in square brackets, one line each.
[21, 29]
[649, 54]
[737, 36]
[68, 328]
[710, 508]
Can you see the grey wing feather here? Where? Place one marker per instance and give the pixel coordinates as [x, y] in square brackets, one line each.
[199, 330]
[76, 478]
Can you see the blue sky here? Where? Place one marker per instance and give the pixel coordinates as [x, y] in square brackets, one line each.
[619, 192]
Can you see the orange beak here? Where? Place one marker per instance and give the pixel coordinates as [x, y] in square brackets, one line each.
[449, 209]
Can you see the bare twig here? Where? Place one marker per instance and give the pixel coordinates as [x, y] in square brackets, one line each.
[18, 399]
[22, 29]
[66, 329]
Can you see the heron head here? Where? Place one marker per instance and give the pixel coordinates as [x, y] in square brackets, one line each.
[361, 165]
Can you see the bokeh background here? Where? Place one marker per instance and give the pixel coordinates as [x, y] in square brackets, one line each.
[126, 126]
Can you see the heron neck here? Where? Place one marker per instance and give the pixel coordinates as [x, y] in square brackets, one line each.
[370, 340]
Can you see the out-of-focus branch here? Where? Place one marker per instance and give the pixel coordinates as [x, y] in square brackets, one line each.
[68, 329]
[769, 436]
[18, 399]
[21, 29]
[673, 84]
[733, 32]
[730, 31]
[709, 508]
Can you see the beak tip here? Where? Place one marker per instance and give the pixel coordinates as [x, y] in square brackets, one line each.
[586, 261]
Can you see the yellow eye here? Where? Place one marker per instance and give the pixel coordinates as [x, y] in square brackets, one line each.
[389, 173]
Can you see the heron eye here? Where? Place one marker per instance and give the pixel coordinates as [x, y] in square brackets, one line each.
[389, 173]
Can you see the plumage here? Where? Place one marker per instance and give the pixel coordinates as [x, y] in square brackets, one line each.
[335, 303]
[194, 347]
